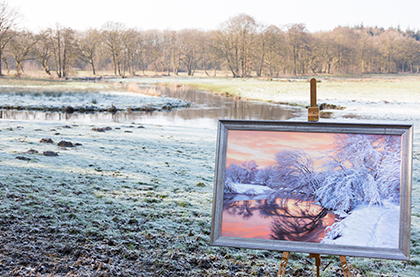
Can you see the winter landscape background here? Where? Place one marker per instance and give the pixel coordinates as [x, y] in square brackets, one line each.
[135, 195]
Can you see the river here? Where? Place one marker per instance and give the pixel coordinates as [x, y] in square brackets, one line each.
[205, 111]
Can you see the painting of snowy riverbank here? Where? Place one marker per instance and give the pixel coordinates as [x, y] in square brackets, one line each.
[332, 188]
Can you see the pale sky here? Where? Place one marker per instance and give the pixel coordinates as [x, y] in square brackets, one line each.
[207, 15]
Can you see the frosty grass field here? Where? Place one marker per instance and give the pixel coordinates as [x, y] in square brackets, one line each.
[135, 199]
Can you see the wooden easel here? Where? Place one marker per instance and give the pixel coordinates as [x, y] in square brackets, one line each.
[285, 259]
[313, 110]
[313, 115]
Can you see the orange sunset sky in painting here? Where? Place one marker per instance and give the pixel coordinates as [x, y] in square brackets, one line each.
[262, 146]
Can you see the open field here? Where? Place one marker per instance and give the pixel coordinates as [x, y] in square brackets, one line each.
[374, 88]
[136, 199]
[389, 97]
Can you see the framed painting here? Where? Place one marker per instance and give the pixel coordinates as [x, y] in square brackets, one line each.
[323, 188]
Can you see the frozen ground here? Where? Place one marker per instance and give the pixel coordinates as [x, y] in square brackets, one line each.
[33, 94]
[102, 100]
[144, 190]
[134, 199]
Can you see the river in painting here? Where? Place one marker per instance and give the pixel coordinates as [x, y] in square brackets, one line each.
[282, 219]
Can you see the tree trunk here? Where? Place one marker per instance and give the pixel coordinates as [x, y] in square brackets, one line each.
[93, 66]
[6, 64]
[18, 69]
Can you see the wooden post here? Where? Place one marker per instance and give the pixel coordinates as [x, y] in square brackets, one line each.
[283, 264]
[313, 92]
[313, 110]
[285, 259]
[317, 262]
[345, 266]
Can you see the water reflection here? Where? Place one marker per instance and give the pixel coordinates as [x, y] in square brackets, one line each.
[205, 111]
[282, 219]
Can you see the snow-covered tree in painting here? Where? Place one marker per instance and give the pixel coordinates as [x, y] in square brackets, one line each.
[243, 173]
[263, 176]
[293, 176]
[360, 169]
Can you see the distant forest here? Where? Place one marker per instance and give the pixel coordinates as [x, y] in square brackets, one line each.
[240, 45]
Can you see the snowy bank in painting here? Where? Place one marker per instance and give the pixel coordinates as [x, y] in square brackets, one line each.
[367, 225]
[248, 189]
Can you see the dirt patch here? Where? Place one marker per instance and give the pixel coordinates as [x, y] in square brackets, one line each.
[46, 140]
[101, 129]
[64, 143]
[50, 153]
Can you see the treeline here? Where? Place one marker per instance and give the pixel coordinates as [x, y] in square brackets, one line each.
[240, 45]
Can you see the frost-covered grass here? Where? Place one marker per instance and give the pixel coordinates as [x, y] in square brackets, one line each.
[129, 200]
[296, 91]
[138, 200]
[384, 99]
[128, 184]
[55, 95]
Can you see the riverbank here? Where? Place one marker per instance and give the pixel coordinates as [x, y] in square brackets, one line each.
[135, 199]
[386, 97]
[78, 97]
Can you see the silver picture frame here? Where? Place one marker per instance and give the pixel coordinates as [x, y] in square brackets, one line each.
[400, 250]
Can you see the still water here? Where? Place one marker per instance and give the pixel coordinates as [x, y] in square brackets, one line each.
[278, 220]
[205, 111]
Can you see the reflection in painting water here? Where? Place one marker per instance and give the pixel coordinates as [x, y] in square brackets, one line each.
[281, 219]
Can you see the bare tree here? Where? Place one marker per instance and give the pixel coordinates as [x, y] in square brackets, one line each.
[135, 50]
[175, 51]
[9, 18]
[204, 48]
[389, 47]
[20, 47]
[364, 48]
[63, 48]
[158, 49]
[275, 50]
[298, 42]
[89, 43]
[43, 51]
[408, 53]
[235, 38]
[112, 34]
[140, 54]
[240, 44]
[214, 55]
[344, 48]
[261, 48]
[189, 42]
